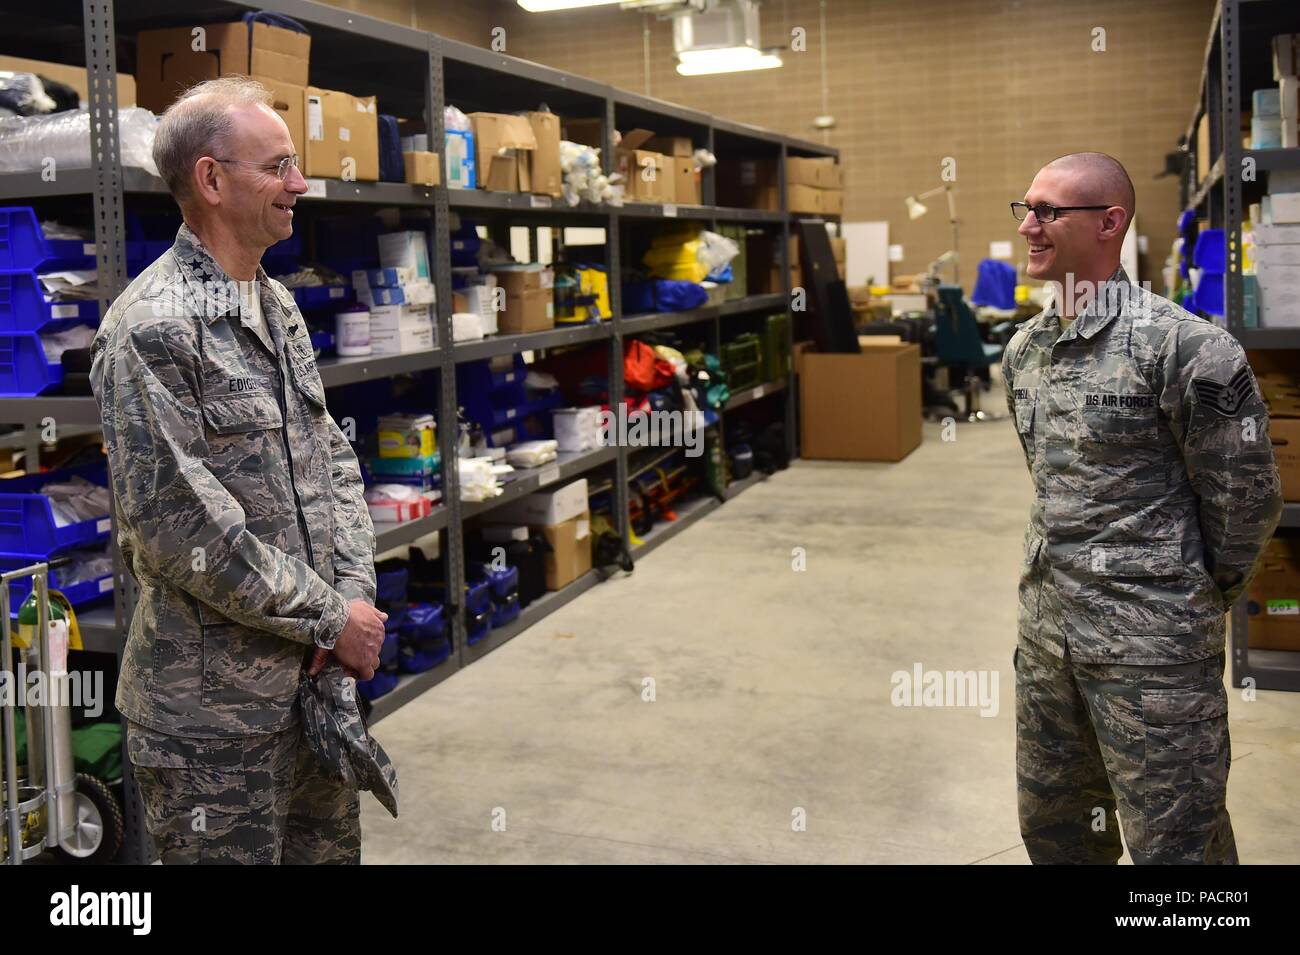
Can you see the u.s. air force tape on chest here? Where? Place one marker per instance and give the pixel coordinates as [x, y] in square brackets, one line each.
[1095, 399]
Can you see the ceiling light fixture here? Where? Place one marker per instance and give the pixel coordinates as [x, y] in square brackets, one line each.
[546, 6]
[732, 59]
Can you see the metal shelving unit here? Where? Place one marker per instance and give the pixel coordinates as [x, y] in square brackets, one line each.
[413, 72]
[1237, 61]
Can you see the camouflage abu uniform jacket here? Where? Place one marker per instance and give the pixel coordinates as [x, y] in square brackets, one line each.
[239, 500]
[1154, 479]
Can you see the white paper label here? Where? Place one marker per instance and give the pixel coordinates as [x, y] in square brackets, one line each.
[549, 475]
[540, 202]
[315, 188]
[510, 413]
[315, 120]
[88, 249]
[345, 134]
[336, 293]
[999, 250]
[106, 585]
[63, 311]
[760, 391]
[670, 212]
[104, 525]
[896, 253]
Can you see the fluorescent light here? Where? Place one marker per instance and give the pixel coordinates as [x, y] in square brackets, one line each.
[731, 59]
[546, 6]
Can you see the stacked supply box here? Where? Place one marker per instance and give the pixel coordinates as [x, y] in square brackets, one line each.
[563, 518]
[502, 144]
[528, 299]
[1276, 257]
[406, 451]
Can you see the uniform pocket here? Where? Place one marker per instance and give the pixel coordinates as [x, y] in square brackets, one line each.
[250, 674]
[240, 414]
[1187, 756]
[1121, 426]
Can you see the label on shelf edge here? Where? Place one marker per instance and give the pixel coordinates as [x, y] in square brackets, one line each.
[539, 202]
[64, 311]
[103, 525]
[315, 188]
[1284, 608]
[88, 248]
[106, 585]
[549, 475]
[670, 211]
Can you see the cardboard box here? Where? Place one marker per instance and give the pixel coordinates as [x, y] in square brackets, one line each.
[864, 407]
[645, 172]
[546, 508]
[460, 159]
[407, 253]
[167, 63]
[396, 329]
[74, 76]
[500, 141]
[289, 101]
[421, 168]
[1284, 206]
[839, 249]
[1203, 158]
[686, 181]
[803, 171]
[832, 202]
[799, 349]
[804, 199]
[570, 555]
[1273, 598]
[747, 184]
[1279, 295]
[544, 161]
[530, 304]
[677, 146]
[1285, 435]
[833, 174]
[342, 138]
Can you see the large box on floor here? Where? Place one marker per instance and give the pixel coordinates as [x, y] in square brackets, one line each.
[570, 555]
[1273, 598]
[864, 407]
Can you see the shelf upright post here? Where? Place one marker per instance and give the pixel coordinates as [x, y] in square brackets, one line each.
[613, 240]
[791, 439]
[453, 550]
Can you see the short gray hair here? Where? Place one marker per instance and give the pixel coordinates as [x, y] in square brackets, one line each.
[197, 124]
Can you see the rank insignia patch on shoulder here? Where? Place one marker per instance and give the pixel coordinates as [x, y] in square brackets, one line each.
[1225, 399]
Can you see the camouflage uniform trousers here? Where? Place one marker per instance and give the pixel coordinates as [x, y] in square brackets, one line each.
[1153, 738]
[265, 800]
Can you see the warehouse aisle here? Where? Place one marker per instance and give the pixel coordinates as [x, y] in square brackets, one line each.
[772, 693]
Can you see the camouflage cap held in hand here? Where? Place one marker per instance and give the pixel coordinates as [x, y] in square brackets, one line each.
[332, 724]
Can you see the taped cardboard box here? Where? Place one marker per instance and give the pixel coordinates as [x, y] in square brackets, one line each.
[570, 555]
[501, 142]
[342, 135]
[1285, 435]
[863, 407]
[421, 168]
[645, 172]
[832, 202]
[74, 76]
[1273, 598]
[290, 102]
[804, 199]
[167, 63]
[677, 146]
[686, 180]
[529, 299]
[544, 161]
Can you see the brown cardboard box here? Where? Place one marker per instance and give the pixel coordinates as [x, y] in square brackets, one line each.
[585, 132]
[421, 168]
[570, 555]
[799, 349]
[645, 172]
[803, 171]
[686, 180]
[498, 142]
[167, 63]
[832, 175]
[677, 146]
[839, 249]
[529, 300]
[804, 199]
[832, 201]
[1203, 158]
[841, 270]
[864, 407]
[747, 184]
[74, 76]
[1285, 435]
[290, 102]
[1273, 604]
[342, 135]
[544, 161]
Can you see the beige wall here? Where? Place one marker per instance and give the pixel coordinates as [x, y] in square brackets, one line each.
[1001, 86]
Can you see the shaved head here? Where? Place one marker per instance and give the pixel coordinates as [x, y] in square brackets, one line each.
[1100, 180]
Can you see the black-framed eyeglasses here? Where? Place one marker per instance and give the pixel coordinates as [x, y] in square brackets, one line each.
[281, 168]
[1045, 211]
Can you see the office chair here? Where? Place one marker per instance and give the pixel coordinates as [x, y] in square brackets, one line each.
[959, 346]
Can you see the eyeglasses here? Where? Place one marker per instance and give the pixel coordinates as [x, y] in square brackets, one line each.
[281, 168]
[1045, 211]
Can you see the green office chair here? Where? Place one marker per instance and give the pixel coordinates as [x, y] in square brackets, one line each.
[960, 348]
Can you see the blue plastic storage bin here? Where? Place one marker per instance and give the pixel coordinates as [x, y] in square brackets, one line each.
[1209, 296]
[502, 582]
[419, 657]
[78, 594]
[424, 621]
[23, 245]
[27, 528]
[314, 297]
[1211, 251]
[478, 626]
[382, 683]
[23, 307]
[24, 369]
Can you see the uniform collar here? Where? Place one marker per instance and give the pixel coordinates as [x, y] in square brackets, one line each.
[1107, 303]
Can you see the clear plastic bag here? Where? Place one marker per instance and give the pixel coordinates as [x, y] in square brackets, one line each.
[27, 142]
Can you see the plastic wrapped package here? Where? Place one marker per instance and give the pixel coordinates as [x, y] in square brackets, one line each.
[27, 141]
[583, 177]
[532, 454]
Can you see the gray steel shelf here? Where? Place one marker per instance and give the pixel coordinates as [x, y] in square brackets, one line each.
[1274, 158]
[736, 488]
[390, 535]
[528, 480]
[634, 324]
[409, 687]
[1290, 516]
[656, 210]
[1269, 337]
[530, 341]
[521, 202]
[665, 531]
[64, 409]
[742, 398]
[346, 371]
[537, 610]
[753, 303]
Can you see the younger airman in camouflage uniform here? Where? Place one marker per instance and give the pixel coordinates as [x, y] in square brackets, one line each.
[240, 511]
[1155, 491]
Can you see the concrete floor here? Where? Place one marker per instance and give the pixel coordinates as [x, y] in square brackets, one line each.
[772, 693]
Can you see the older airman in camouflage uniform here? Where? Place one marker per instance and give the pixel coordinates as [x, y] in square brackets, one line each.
[240, 509]
[1155, 491]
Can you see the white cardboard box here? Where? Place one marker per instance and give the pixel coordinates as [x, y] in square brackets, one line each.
[1279, 295]
[577, 429]
[1276, 254]
[395, 329]
[1284, 207]
[406, 250]
[1276, 235]
[546, 508]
